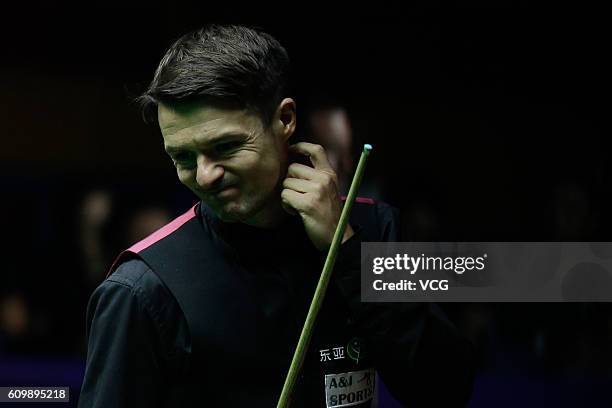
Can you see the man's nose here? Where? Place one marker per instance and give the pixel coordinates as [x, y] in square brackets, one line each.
[209, 174]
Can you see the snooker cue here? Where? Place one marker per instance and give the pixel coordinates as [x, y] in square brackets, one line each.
[317, 299]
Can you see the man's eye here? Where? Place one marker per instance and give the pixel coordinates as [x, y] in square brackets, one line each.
[183, 159]
[228, 147]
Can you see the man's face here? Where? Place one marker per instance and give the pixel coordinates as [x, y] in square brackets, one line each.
[226, 157]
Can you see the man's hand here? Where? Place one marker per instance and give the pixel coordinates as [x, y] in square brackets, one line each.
[313, 194]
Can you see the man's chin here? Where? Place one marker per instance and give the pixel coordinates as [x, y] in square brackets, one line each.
[245, 211]
[228, 217]
[230, 212]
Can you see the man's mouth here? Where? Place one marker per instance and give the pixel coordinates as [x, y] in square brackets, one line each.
[224, 193]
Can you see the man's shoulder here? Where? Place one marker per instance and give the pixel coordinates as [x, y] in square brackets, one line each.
[132, 278]
[134, 281]
[132, 273]
[167, 230]
[378, 220]
[373, 210]
[371, 204]
[135, 274]
[132, 261]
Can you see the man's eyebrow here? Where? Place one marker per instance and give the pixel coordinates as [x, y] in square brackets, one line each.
[231, 135]
[173, 150]
[223, 137]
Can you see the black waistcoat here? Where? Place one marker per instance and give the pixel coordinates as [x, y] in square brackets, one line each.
[245, 293]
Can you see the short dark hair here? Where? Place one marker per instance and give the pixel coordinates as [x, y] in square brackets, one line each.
[230, 65]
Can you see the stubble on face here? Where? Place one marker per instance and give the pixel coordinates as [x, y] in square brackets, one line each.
[249, 189]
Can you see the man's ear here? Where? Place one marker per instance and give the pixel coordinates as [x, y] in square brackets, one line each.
[285, 118]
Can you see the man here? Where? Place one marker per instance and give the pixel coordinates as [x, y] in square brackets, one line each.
[207, 311]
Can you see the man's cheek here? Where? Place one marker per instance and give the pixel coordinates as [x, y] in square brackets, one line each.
[183, 178]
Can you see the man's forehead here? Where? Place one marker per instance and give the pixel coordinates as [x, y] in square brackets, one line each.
[203, 118]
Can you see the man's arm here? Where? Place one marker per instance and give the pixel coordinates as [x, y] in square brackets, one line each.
[125, 364]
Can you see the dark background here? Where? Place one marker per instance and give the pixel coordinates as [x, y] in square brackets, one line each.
[488, 125]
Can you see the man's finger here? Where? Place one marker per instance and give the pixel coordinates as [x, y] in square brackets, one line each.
[316, 153]
[300, 185]
[301, 202]
[298, 170]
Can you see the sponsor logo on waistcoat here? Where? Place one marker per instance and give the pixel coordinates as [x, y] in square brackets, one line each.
[347, 389]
